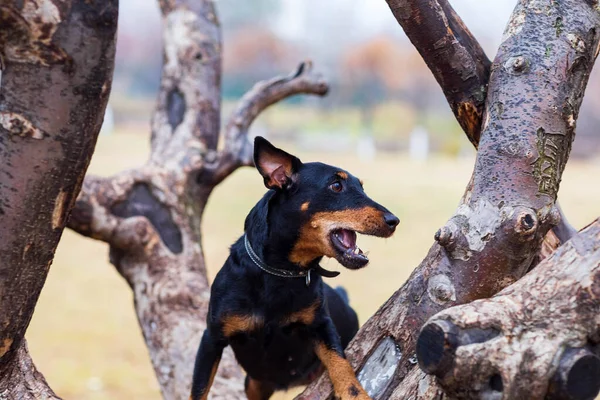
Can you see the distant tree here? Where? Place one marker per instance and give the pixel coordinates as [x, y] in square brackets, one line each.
[253, 53]
[378, 70]
[370, 73]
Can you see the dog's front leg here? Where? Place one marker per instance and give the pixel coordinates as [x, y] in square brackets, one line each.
[205, 368]
[329, 350]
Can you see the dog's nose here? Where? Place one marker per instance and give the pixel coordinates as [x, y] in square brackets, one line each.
[391, 220]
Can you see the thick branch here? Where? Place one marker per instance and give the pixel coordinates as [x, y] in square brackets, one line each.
[189, 102]
[455, 58]
[543, 332]
[458, 63]
[238, 149]
[52, 99]
[535, 92]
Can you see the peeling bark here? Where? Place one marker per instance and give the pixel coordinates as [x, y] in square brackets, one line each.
[509, 206]
[151, 216]
[546, 333]
[57, 60]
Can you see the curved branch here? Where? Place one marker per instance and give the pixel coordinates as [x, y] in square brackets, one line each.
[238, 149]
[266, 93]
[453, 55]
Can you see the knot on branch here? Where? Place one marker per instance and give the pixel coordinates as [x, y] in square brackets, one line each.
[516, 65]
[526, 224]
[445, 236]
[440, 289]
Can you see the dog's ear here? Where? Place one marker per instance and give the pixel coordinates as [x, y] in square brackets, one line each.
[275, 165]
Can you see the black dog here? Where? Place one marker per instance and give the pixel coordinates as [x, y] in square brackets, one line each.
[269, 301]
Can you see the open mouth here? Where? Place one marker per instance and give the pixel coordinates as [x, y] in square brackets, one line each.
[348, 253]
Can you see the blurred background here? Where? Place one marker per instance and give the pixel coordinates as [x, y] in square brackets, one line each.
[385, 120]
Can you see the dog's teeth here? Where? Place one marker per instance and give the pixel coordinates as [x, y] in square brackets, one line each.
[356, 250]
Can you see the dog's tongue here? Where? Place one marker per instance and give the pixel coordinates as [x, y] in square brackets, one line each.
[348, 238]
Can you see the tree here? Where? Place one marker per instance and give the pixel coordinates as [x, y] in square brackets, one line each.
[520, 111]
[57, 61]
[151, 216]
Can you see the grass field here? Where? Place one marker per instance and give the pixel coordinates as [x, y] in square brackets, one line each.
[84, 335]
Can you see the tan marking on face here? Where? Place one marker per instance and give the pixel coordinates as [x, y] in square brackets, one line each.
[342, 174]
[304, 206]
[341, 374]
[213, 372]
[241, 323]
[314, 241]
[362, 183]
[305, 316]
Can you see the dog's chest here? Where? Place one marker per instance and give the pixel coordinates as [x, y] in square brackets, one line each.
[282, 354]
[279, 344]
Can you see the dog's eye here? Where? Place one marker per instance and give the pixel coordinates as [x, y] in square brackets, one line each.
[336, 186]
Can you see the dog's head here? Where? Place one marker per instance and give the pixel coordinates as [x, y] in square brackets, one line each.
[321, 207]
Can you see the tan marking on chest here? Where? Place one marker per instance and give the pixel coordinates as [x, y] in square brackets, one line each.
[233, 324]
[305, 316]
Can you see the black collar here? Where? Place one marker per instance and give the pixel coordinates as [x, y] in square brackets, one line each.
[283, 273]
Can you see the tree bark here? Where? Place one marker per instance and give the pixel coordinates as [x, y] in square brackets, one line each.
[455, 58]
[535, 90]
[539, 337]
[151, 216]
[57, 60]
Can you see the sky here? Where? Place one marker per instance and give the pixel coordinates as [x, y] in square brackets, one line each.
[485, 18]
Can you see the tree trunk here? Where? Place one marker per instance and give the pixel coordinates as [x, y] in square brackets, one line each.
[535, 91]
[57, 60]
[151, 216]
[539, 337]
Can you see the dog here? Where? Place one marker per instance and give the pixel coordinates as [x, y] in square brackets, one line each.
[269, 301]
